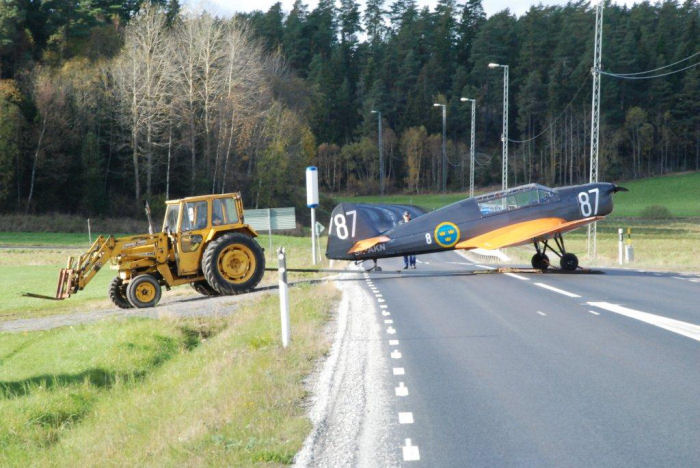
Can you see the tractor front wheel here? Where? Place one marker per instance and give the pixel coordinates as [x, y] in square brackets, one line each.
[233, 263]
[143, 291]
[117, 293]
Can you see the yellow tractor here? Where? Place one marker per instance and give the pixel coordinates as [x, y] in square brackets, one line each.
[204, 242]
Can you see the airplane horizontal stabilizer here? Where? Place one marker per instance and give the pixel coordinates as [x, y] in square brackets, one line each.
[357, 227]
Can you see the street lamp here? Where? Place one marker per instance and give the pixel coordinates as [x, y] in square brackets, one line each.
[444, 150]
[471, 146]
[504, 134]
[381, 152]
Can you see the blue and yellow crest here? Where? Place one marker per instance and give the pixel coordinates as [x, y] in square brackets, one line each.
[446, 234]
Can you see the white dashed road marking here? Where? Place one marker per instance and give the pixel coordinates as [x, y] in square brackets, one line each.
[406, 418]
[556, 290]
[399, 371]
[486, 267]
[393, 342]
[410, 452]
[391, 330]
[401, 390]
[541, 313]
[520, 277]
[594, 312]
[689, 330]
[388, 321]
[386, 313]
[396, 354]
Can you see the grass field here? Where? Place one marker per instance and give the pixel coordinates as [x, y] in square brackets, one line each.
[36, 270]
[679, 193]
[139, 392]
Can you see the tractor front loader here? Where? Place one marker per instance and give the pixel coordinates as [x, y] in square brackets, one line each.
[204, 242]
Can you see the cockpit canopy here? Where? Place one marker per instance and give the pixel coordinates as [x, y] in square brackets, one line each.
[512, 199]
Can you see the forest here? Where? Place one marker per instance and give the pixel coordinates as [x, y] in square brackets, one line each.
[107, 104]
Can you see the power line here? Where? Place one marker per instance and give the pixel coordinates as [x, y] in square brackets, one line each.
[656, 69]
[627, 77]
[556, 118]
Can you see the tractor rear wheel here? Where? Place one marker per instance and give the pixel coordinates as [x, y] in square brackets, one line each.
[143, 291]
[233, 263]
[203, 288]
[117, 293]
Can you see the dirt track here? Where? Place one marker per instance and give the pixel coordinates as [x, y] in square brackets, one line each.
[173, 306]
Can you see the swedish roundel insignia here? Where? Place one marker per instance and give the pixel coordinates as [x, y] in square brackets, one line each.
[446, 234]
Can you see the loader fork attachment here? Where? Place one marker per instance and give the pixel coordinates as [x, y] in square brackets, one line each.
[66, 280]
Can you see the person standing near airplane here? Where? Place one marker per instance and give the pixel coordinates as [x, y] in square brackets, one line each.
[408, 260]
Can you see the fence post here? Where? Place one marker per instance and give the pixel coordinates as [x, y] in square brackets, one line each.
[284, 295]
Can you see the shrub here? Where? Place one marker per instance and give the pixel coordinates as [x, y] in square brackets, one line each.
[656, 212]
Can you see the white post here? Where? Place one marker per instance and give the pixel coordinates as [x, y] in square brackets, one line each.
[312, 202]
[284, 296]
[269, 228]
[620, 245]
[89, 232]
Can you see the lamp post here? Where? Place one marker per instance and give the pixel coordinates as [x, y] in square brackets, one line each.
[444, 149]
[381, 152]
[504, 134]
[471, 146]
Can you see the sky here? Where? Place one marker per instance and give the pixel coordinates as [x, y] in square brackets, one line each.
[228, 7]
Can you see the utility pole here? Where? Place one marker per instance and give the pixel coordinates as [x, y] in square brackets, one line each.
[504, 134]
[595, 117]
[381, 152]
[444, 143]
[471, 146]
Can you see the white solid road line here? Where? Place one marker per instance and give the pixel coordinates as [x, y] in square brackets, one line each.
[556, 290]
[686, 329]
[410, 452]
[406, 418]
[513, 275]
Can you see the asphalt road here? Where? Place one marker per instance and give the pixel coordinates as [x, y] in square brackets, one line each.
[540, 369]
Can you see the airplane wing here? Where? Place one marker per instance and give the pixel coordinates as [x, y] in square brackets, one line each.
[523, 233]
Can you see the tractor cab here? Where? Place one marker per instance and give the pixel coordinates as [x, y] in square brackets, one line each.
[194, 221]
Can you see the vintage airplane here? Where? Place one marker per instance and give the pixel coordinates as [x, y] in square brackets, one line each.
[521, 215]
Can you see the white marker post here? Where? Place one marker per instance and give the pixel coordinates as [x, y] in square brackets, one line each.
[620, 245]
[284, 296]
[312, 202]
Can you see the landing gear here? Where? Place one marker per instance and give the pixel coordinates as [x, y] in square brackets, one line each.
[540, 261]
[567, 261]
[374, 267]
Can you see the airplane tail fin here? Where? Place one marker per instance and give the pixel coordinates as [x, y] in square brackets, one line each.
[352, 223]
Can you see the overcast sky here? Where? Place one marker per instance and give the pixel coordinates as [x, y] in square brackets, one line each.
[227, 7]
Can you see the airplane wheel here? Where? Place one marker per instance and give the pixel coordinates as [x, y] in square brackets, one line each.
[117, 293]
[378, 268]
[569, 262]
[540, 261]
[143, 291]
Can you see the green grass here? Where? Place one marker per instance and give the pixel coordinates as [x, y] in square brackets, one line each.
[680, 193]
[29, 270]
[48, 239]
[161, 392]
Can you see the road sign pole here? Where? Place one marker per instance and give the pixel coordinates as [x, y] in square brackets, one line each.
[284, 296]
[313, 235]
